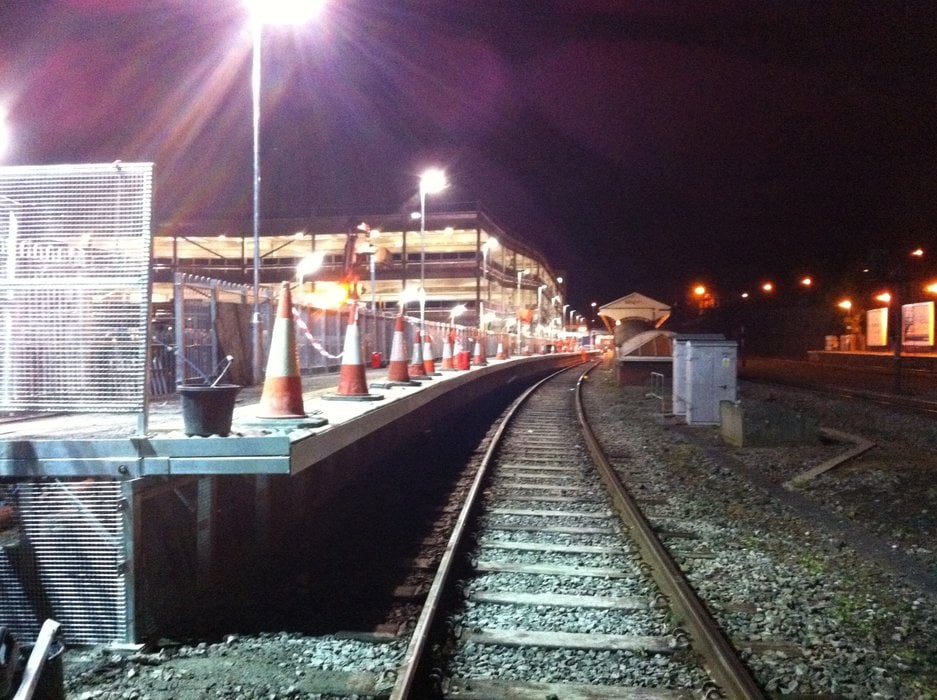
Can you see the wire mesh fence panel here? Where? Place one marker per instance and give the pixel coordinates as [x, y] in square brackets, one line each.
[74, 286]
[213, 322]
[65, 559]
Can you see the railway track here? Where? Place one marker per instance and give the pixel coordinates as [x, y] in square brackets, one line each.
[914, 393]
[566, 592]
[542, 563]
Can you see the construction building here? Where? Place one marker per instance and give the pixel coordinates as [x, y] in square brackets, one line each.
[467, 265]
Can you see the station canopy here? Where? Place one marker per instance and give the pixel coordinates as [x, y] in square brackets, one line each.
[635, 306]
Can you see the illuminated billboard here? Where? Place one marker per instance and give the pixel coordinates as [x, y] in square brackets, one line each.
[876, 327]
[917, 323]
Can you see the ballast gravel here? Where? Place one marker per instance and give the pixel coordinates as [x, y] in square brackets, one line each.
[813, 615]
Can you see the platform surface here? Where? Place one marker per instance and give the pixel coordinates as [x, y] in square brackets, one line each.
[101, 444]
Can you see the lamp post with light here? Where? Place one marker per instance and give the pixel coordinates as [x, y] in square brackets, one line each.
[517, 308]
[432, 181]
[265, 12]
[540, 309]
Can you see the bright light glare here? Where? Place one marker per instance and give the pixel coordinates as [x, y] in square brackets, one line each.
[918, 252]
[457, 310]
[699, 290]
[308, 265]
[806, 281]
[767, 287]
[4, 132]
[845, 304]
[284, 11]
[931, 288]
[884, 296]
[433, 180]
[328, 295]
[408, 294]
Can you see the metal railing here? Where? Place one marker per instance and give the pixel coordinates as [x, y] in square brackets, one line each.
[211, 321]
[659, 388]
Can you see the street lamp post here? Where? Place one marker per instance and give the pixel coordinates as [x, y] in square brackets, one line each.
[279, 12]
[431, 181]
[255, 102]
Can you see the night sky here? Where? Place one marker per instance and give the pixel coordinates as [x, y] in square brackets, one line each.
[642, 146]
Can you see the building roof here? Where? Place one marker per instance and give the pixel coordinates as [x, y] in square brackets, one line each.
[636, 306]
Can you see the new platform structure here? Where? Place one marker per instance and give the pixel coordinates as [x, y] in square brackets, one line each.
[111, 516]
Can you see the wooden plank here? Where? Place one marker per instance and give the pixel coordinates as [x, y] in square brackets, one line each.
[556, 529]
[550, 513]
[487, 688]
[551, 547]
[562, 601]
[572, 640]
[861, 446]
[550, 569]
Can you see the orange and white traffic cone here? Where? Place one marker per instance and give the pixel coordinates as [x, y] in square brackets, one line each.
[462, 356]
[282, 395]
[429, 362]
[416, 368]
[397, 372]
[500, 354]
[479, 359]
[352, 379]
[448, 362]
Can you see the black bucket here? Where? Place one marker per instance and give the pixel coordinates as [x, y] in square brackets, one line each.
[208, 410]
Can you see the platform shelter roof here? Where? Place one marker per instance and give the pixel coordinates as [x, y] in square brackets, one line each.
[636, 306]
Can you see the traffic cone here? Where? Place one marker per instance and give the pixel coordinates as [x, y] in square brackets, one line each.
[429, 362]
[479, 359]
[352, 380]
[416, 368]
[397, 373]
[461, 355]
[501, 354]
[282, 395]
[448, 362]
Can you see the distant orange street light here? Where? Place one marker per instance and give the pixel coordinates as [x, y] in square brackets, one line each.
[807, 281]
[699, 290]
[845, 304]
[883, 297]
[767, 287]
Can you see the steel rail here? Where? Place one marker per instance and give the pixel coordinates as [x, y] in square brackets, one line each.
[721, 657]
[407, 671]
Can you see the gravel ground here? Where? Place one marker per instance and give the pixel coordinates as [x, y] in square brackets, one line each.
[851, 627]
[845, 623]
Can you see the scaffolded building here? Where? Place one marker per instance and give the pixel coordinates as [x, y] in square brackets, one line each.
[461, 260]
